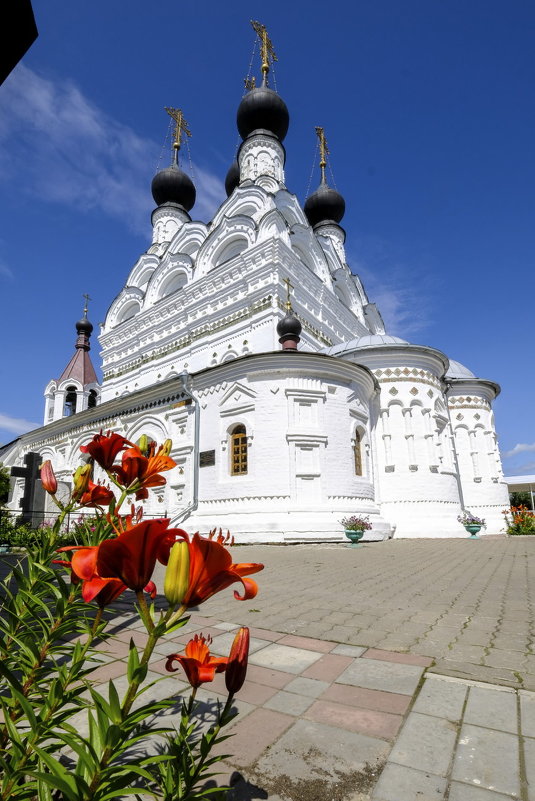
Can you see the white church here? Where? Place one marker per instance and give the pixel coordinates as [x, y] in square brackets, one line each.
[248, 341]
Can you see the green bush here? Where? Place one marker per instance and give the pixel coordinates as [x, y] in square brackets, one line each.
[19, 536]
[519, 520]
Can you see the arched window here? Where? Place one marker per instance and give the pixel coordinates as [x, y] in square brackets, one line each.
[357, 453]
[92, 399]
[70, 402]
[238, 451]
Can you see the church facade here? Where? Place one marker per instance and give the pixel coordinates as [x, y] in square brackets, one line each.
[248, 342]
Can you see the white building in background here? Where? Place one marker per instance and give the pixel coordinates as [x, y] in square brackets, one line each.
[304, 409]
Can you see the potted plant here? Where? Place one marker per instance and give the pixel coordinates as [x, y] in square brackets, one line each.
[354, 527]
[471, 523]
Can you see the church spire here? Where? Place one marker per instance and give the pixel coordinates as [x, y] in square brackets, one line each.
[77, 388]
[172, 185]
[80, 368]
[84, 329]
[262, 121]
[289, 328]
[325, 205]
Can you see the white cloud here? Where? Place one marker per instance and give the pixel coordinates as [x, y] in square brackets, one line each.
[67, 150]
[395, 303]
[526, 468]
[520, 447]
[16, 425]
[401, 295]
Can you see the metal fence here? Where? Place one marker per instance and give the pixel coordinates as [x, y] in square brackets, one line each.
[10, 518]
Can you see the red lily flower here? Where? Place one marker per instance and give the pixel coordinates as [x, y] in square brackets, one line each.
[95, 588]
[130, 557]
[237, 661]
[198, 664]
[104, 448]
[211, 570]
[96, 495]
[110, 589]
[139, 471]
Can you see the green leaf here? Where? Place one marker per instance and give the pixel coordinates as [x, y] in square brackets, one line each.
[178, 625]
[133, 662]
[11, 678]
[26, 708]
[56, 782]
[115, 703]
[84, 749]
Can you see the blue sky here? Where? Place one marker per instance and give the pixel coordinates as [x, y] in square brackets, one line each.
[428, 110]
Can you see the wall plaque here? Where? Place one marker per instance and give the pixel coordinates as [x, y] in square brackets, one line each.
[206, 458]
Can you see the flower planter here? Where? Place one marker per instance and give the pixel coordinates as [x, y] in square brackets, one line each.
[473, 530]
[354, 536]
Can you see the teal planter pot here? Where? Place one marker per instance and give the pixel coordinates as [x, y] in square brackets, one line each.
[354, 536]
[473, 530]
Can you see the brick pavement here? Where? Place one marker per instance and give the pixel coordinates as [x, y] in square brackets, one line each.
[399, 671]
[467, 604]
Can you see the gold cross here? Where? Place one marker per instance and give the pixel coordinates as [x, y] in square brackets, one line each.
[324, 150]
[87, 299]
[289, 288]
[266, 46]
[181, 126]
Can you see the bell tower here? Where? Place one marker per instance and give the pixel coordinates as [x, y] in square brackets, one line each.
[77, 388]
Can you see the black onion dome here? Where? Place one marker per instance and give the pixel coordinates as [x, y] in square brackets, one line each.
[83, 326]
[172, 185]
[324, 204]
[289, 325]
[263, 108]
[233, 178]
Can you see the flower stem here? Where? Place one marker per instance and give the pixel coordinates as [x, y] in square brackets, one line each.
[144, 611]
[134, 684]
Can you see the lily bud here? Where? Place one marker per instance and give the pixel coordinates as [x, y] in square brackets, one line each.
[166, 447]
[81, 478]
[143, 444]
[48, 478]
[237, 661]
[176, 581]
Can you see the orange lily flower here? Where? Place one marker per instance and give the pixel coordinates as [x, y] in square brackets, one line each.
[105, 447]
[96, 495]
[237, 661]
[130, 557]
[199, 666]
[138, 471]
[211, 570]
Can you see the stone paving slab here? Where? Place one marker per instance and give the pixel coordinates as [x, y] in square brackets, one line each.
[425, 743]
[285, 657]
[375, 674]
[489, 759]
[399, 783]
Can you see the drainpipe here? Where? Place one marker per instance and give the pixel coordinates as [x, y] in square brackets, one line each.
[459, 483]
[186, 394]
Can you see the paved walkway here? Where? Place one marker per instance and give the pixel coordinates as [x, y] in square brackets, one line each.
[396, 671]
